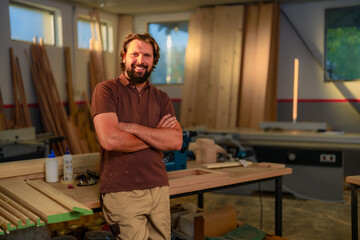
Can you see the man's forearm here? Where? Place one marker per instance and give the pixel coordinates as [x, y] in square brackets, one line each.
[163, 139]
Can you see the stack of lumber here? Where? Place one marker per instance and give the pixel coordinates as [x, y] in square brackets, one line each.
[4, 121]
[80, 116]
[205, 150]
[53, 114]
[34, 202]
[97, 64]
[20, 117]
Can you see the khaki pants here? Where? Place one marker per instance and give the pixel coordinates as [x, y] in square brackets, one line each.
[139, 214]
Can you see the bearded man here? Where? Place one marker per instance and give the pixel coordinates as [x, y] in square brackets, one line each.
[135, 122]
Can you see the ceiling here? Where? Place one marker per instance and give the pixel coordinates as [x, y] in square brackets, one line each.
[162, 6]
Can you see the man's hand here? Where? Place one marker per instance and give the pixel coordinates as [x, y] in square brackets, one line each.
[167, 121]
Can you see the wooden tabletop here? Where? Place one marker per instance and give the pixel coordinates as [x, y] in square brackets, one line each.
[353, 179]
[194, 178]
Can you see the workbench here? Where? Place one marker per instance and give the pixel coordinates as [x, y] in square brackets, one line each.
[193, 180]
[313, 156]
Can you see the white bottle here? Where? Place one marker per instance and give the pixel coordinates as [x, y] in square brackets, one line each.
[68, 168]
[51, 168]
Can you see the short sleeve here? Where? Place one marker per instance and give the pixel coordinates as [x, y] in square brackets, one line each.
[103, 99]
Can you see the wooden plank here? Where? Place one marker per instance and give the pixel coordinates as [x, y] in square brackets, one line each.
[23, 210]
[6, 224]
[3, 119]
[24, 220]
[13, 219]
[46, 208]
[200, 95]
[271, 94]
[193, 176]
[262, 57]
[214, 77]
[69, 83]
[27, 168]
[192, 63]
[249, 67]
[15, 92]
[24, 103]
[228, 62]
[59, 197]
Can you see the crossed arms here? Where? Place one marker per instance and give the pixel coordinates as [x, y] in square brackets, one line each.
[131, 137]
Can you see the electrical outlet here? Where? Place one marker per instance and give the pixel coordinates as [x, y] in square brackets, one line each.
[327, 158]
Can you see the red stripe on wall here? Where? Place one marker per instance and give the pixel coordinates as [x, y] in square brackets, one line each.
[7, 106]
[319, 100]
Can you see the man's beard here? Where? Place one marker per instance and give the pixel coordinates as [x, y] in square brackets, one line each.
[136, 78]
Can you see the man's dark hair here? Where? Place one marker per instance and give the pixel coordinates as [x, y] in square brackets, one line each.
[146, 37]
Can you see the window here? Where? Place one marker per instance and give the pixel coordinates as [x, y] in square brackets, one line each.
[342, 48]
[84, 34]
[172, 38]
[28, 22]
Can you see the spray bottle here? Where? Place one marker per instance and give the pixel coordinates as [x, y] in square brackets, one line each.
[68, 168]
[51, 168]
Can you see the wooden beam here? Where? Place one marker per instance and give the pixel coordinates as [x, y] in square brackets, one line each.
[16, 217]
[46, 208]
[35, 168]
[6, 224]
[20, 84]
[59, 197]
[13, 219]
[23, 210]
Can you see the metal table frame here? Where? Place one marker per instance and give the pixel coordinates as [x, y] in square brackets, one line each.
[354, 211]
[278, 198]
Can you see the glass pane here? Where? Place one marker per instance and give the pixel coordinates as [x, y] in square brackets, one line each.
[172, 38]
[103, 29]
[84, 34]
[27, 23]
[343, 43]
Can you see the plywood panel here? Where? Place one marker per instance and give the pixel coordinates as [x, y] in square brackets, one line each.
[249, 67]
[262, 57]
[192, 59]
[206, 19]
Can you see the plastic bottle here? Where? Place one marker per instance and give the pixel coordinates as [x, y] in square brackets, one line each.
[68, 168]
[51, 168]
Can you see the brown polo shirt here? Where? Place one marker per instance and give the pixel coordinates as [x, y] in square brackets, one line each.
[143, 169]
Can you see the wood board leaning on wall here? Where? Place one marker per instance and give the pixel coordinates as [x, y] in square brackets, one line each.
[231, 67]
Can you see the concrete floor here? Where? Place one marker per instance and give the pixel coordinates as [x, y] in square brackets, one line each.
[302, 219]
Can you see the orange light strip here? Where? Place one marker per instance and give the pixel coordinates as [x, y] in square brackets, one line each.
[296, 85]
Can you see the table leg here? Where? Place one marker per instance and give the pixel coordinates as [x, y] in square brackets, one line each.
[278, 206]
[354, 212]
[200, 200]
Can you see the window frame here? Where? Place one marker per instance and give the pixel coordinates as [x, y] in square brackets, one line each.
[327, 78]
[56, 21]
[168, 21]
[109, 33]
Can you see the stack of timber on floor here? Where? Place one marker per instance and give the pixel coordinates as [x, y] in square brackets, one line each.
[26, 200]
[53, 114]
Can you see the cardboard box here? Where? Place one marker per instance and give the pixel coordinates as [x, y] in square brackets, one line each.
[215, 223]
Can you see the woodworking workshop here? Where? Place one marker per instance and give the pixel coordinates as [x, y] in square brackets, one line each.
[179, 120]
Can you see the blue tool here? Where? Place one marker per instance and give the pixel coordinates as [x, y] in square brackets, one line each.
[176, 160]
